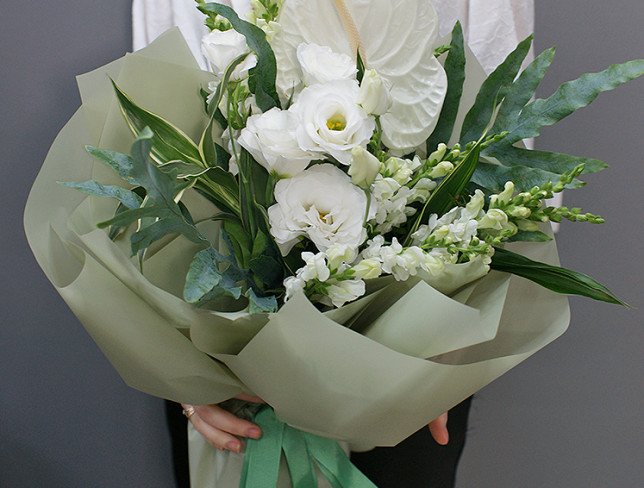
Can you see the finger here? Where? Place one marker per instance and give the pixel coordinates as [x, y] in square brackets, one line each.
[221, 419]
[249, 398]
[438, 429]
[216, 437]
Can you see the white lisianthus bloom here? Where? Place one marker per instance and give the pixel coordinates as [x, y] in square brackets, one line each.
[222, 48]
[375, 96]
[270, 138]
[331, 121]
[345, 291]
[364, 167]
[320, 64]
[321, 204]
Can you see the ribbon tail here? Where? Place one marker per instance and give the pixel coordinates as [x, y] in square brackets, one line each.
[262, 457]
[298, 459]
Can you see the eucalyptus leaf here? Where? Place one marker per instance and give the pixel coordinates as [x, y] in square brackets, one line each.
[492, 92]
[455, 70]
[257, 304]
[261, 77]
[170, 143]
[560, 280]
[203, 275]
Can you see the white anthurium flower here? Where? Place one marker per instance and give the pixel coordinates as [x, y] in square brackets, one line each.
[222, 48]
[331, 121]
[320, 204]
[320, 64]
[401, 51]
[375, 96]
[271, 139]
[364, 167]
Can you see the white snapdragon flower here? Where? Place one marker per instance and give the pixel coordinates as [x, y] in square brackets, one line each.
[315, 267]
[293, 286]
[364, 167]
[375, 93]
[390, 202]
[331, 121]
[339, 256]
[367, 269]
[345, 291]
[320, 64]
[401, 170]
[321, 204]
[222, 48]
[270, 138]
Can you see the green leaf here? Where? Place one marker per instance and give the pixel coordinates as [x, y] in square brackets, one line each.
[182, 170]
[220, 187]
[240, 242]
[360, 67]
[170, 143]
[530, 236]
[127, 217]
[203, 275]
[445, 197]
[119, 162]
[143, 238]
[257, 304]
[262, 77]
[493, 177]
[560, 280]
[127, 197]
[552, 162]
[455, 69]
[492, 92]
[570, 97]
[522, 91]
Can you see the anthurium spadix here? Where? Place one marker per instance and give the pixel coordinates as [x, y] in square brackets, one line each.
[395, 37]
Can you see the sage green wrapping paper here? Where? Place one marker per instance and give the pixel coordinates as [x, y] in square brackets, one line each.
[370, 373]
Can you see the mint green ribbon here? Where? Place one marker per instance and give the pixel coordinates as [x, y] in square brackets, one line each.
[303, 453]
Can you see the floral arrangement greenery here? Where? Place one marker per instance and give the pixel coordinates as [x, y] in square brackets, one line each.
[342, 188]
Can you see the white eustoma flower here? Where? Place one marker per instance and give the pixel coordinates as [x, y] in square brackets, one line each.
[271, 139]
[397, 38]
[345, 291]
[321, 204]
[375, 93]
[364, 167]
[331, 121]
[222, 48]
[320, 64]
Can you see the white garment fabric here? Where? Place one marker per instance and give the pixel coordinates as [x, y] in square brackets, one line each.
[492, 28]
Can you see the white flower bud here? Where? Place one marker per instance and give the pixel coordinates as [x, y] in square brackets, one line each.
[222, 48]
[364, 167]
[439, 154]
[367, 269]
[520, 212]
[494, 219]
[340, 254]
[374, 93]
[345, 291]
[442, 169]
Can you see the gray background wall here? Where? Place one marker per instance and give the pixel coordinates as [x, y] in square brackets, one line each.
[570, 417]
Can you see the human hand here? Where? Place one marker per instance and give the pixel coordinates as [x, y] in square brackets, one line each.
[221, 428]
[438, 429]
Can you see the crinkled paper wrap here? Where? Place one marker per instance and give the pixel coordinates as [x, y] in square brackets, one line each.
[371, 373]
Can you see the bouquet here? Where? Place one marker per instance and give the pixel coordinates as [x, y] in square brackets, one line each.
[340, 217]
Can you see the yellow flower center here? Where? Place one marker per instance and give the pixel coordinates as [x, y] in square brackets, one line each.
[337, 122]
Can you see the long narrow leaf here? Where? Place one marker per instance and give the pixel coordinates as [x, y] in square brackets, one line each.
[170, 143]
[493, 177]
[560, 280]
[127, 197]
[455, 70]
[548, 161]
[262, 77]
[492, 92]
[570, 97]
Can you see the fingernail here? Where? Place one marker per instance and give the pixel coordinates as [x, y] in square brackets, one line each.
[234, 446]
[254, 433]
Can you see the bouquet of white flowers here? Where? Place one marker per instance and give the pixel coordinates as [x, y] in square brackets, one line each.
[340, 218]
